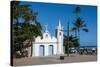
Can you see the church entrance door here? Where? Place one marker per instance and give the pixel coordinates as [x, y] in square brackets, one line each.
[41, 50]
[50, 50]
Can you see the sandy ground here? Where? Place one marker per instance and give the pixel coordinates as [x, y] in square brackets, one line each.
[54, 60]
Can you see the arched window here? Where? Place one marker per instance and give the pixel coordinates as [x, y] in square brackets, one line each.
[46, 35]
[59, 33]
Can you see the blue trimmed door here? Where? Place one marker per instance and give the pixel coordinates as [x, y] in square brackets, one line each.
[41, 50]
[50, 50]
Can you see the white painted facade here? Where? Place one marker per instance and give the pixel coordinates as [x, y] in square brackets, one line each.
[49, 45]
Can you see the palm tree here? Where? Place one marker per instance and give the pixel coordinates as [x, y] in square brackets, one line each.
[78, 26]
[77, 11]
[79, 23]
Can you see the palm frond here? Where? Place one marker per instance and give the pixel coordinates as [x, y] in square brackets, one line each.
[86, 30]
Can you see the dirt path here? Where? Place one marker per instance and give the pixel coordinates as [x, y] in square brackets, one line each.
[54, 60]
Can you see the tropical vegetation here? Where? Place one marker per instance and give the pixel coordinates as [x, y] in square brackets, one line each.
[25, 26]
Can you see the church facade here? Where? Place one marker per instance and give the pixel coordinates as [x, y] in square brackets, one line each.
[49, 45]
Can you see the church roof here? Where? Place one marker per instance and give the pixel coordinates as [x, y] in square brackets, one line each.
[46, 36]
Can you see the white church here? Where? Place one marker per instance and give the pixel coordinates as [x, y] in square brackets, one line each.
[49, 45]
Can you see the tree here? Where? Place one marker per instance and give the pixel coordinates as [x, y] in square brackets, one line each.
[73, 42]
[23, 11]
[77, 11]
[27, 29]
[79, 25]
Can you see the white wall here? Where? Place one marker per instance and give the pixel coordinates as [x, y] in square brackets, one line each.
[46, 49]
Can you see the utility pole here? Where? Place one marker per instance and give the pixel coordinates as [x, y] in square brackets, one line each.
[68, 38]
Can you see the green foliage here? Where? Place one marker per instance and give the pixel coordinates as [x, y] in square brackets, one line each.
[28, 28]
[77, 10]
[23, 11]
[79, 24]
[23, 31]
[73, 42]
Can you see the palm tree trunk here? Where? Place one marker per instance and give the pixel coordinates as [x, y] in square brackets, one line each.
[78, 40]
[75, 33]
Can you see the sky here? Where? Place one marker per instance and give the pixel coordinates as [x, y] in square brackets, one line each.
[50, 13]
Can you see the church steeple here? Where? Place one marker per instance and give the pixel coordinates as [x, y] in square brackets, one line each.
[59, 36]
[59, 24]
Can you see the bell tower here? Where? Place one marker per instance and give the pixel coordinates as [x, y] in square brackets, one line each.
[59, 35]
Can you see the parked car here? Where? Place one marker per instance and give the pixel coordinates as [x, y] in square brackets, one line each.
[73, 50]
[87, 51]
